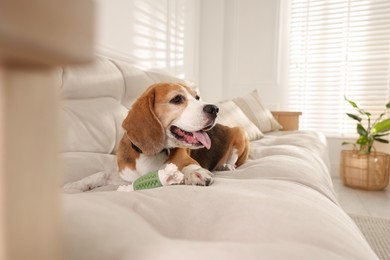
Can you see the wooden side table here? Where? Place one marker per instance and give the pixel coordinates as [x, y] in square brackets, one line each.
[288, 119]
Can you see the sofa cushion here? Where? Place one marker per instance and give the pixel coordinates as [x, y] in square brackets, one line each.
[92, 125]
[100, 78]
[231, 115]
[257, 112]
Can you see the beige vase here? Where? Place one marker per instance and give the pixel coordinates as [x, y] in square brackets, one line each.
[364, 171]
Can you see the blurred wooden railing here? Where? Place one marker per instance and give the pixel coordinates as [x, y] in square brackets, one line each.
[35, 37]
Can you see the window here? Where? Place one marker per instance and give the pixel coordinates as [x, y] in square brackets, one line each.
[337, 48]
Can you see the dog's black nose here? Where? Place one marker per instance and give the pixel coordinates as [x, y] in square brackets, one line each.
[211, 109]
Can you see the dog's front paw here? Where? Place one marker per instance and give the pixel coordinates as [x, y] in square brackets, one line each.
[196, 175]
[226, 167]
[88, 183]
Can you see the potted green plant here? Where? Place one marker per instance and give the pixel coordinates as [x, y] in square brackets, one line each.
[364, 167]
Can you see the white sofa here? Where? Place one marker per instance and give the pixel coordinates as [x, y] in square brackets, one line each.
[278, 205]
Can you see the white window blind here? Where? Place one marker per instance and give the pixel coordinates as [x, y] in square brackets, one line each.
[337, 48]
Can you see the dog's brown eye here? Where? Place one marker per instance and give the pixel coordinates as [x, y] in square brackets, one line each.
[197, 97]
[177, 100]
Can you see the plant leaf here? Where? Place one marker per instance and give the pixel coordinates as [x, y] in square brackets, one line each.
[381, 140]
[351, 102]
[381, 127]
[362, 140]
[354, 105]
[379, 118]
[388, 105]
[380, 135]
[361, 130]
[355, 117]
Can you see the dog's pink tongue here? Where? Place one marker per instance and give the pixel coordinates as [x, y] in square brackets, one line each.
[203, 138]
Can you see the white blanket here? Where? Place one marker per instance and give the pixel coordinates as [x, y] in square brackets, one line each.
[279, 205]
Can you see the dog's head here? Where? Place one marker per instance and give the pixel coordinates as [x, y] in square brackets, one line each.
[169, 115]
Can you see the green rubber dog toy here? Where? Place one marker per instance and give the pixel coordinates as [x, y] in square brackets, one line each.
[170, 175]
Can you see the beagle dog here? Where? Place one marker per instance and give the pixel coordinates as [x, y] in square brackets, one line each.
[169, 124]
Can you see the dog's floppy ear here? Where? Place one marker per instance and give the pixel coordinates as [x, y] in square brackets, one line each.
[142, 126]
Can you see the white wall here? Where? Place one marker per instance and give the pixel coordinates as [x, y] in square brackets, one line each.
[211, 49]
[239, 50]
[159, 34]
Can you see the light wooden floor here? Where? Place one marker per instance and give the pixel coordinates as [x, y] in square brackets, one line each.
[361, 202]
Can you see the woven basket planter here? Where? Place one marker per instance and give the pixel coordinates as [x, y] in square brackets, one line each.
[365, 171]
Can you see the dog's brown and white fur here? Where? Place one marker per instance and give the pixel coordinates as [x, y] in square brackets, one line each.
[169, 124]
